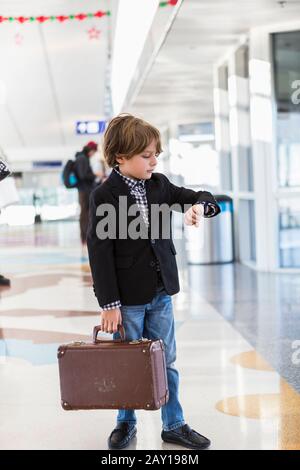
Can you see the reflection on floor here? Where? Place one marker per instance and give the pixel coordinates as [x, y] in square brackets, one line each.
[264, 308]
[236, 332]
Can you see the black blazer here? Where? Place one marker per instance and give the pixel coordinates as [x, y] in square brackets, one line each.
[125, 269]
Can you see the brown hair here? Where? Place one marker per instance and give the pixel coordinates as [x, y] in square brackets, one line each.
[127, 136]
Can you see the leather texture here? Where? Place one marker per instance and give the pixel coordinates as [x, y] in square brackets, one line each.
[186, 437]
[121, 436]
[113, 374]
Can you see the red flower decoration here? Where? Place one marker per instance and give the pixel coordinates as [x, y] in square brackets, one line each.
[173, 2]
[62, 18]
[3, 18]
[81, 16]
[22, 19]
[99, 14]
[42, 19]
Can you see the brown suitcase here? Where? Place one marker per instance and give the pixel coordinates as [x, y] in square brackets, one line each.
[115, 374]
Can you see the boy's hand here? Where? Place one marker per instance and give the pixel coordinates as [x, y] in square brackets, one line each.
[110, 319]
[193, 215]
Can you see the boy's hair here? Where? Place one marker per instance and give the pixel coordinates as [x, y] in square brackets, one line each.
[126, 136]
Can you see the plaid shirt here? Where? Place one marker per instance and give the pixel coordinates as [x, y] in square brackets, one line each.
[138, 191]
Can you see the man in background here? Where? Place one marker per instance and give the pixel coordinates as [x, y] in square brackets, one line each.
[87, 180]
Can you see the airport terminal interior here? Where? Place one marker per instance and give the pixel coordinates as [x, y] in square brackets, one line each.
[222, 84]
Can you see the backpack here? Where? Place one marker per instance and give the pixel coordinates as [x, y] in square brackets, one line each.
[69, 177]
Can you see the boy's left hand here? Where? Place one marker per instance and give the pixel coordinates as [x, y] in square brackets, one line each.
[193, 215]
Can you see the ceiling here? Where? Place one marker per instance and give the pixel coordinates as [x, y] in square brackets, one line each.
[179, 86]
[51, 75]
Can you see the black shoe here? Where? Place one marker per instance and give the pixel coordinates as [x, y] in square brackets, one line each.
[4, 281]
[121, 436]
[186, 437]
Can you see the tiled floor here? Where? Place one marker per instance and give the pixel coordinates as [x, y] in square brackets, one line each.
[236, 330]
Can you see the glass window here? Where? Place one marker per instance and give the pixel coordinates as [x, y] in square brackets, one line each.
[42, 195]
[289, 232]
[196, 162]
[242, 61]
[222, 122]
[245, 169]
[286, 51]
[247, 236]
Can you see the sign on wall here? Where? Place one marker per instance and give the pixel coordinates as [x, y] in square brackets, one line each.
[90, 127]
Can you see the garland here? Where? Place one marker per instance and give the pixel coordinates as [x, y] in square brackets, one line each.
[171, 3]
[59, 18]
[63, 18]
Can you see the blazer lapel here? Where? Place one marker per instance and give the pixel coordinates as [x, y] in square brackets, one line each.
[120, 188]
[152, 196]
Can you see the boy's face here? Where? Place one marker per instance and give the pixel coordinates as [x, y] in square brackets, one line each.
[140, 166]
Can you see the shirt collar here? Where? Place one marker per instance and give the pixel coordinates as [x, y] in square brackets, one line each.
[130, 181]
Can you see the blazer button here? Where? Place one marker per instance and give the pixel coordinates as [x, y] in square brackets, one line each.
[153, 241]
[152, 264]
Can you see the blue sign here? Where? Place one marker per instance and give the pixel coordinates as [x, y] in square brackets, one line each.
[90, 127]
[46, 164]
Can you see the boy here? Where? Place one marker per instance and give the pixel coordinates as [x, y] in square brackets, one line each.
[135, 275]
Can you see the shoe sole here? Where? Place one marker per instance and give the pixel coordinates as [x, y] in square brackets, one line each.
[170, 441]
[125, 445]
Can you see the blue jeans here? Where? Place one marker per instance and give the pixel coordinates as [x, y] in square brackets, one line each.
[155, 320]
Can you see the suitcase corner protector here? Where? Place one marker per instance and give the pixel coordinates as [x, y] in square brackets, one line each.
[61, 351]
[65, 405]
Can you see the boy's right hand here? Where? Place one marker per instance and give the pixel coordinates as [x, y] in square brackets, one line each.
[110, 319]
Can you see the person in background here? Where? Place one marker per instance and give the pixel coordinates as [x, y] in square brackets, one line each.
[87, 181]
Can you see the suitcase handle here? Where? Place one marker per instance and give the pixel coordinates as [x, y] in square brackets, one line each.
[98, 328]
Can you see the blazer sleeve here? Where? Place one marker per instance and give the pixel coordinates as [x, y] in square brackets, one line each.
[182, 197]
[102, 258]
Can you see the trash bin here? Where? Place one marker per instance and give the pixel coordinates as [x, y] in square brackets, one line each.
[212, 243]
